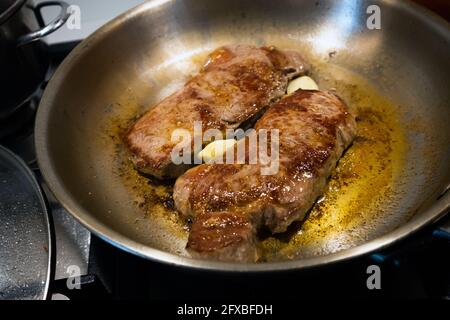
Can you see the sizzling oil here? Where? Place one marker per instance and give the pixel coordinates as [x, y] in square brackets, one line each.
[152, 196]
[363, 182]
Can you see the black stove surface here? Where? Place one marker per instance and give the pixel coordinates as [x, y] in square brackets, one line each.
[418, 267]
[415, 268]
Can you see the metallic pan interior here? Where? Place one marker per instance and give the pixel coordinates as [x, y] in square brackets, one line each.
[408, 60]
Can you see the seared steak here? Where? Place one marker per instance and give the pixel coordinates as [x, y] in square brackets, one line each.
[228, 203]
[235, 84]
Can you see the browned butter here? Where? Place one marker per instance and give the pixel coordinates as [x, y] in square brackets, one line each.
[358, 191]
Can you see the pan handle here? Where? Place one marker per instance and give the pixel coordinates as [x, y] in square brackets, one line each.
[45, 30]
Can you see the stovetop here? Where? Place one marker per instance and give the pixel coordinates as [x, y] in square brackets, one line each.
[417, 267]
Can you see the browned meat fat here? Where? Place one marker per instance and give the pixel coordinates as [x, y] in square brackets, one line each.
[229, 202]
[235, 84]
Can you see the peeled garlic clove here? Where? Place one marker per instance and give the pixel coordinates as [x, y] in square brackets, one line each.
[216, 149]
[304, 83]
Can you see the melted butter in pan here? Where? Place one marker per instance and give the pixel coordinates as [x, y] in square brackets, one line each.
[363, 183]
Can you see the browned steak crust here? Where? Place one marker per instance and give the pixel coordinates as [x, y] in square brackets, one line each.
[229, 202]
[235, 84]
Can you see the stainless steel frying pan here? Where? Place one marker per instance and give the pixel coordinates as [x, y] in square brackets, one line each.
[143, 55]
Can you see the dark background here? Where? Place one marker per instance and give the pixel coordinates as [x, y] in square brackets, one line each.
[441, 7]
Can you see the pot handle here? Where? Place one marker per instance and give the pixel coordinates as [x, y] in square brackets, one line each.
[57, 23]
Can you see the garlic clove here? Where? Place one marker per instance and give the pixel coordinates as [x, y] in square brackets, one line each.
[216, 149]
[304, 83]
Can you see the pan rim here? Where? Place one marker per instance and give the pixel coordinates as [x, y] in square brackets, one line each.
[46, 165]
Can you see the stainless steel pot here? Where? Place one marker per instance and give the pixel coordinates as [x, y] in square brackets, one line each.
[23, 58]
[133, 60]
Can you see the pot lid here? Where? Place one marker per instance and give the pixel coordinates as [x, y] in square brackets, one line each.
[25, 246]
[8, 7]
